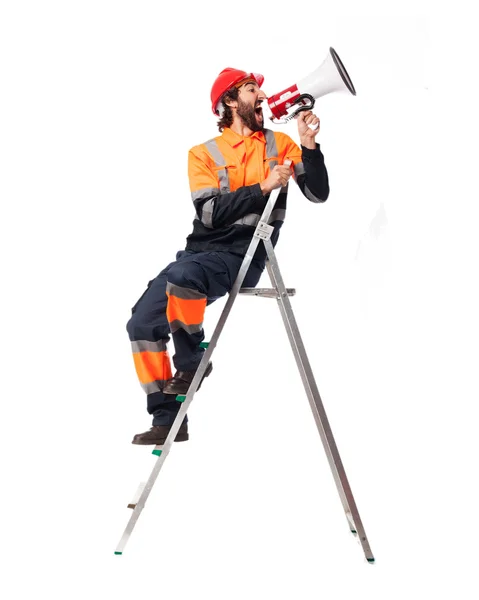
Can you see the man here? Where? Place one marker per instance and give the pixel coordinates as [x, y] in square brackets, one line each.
[231, 177]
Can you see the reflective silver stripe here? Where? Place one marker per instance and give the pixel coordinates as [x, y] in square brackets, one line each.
[253, 219]
[271, 148]
[204, 193]
[184, 293]
[215, 152]
[278, 214]
[175, 325]
[298, 170]
[153, 386]
[208, 207]
[310, 196]
[145, 346]
[207, 213]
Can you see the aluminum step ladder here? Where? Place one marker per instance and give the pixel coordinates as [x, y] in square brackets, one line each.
[262, 234]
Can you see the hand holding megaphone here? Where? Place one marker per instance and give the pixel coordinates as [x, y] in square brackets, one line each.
[307, 122]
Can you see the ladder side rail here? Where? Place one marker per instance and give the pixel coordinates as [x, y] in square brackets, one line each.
[315, 401]
[199, 374]
[147, 489]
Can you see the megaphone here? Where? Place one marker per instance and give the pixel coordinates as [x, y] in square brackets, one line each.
[330, 76]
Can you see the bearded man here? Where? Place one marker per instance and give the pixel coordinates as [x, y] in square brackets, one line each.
[231, 177]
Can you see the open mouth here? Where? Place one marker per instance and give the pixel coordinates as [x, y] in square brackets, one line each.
[259, 110]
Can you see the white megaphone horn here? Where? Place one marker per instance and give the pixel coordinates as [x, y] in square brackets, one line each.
[330, 76]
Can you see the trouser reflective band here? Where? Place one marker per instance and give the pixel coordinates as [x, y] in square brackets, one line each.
[185, 309]
[152, 364]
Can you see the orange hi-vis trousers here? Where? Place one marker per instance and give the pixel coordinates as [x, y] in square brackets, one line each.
[174, 305]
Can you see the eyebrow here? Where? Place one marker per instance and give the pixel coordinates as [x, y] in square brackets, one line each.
[250, 83]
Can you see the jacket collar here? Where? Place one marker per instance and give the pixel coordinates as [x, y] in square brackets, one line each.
[234, 139]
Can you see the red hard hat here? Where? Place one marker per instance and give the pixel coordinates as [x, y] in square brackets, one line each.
[227, 79]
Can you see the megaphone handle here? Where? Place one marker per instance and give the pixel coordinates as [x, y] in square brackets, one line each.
[306, 106]
[298, 110]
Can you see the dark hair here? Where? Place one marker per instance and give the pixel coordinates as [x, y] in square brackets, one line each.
[227, 118]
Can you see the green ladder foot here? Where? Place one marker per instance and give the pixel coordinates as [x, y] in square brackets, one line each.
[204, 345]
[157, 452]
[371, 560]
[120, 553]
[180, 398]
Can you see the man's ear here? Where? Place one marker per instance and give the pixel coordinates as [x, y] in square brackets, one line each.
[231, 103]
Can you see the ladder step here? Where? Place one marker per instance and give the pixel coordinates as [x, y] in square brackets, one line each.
[204, 345]
[157, 450]
[139, 491]
[266, 292]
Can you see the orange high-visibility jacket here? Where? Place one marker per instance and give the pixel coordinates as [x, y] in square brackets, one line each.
[225, 174]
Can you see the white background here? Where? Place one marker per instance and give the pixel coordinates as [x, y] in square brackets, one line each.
[100, 102]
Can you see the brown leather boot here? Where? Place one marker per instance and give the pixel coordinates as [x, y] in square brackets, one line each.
[180, 383]
[158, 434]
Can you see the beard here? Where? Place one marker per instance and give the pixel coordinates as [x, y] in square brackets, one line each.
[248, 115]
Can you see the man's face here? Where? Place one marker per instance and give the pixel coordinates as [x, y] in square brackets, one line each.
[249, 106]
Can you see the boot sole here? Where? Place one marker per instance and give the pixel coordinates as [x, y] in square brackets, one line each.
[160, 442]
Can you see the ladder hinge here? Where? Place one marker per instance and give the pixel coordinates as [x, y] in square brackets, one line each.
[263, 231]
